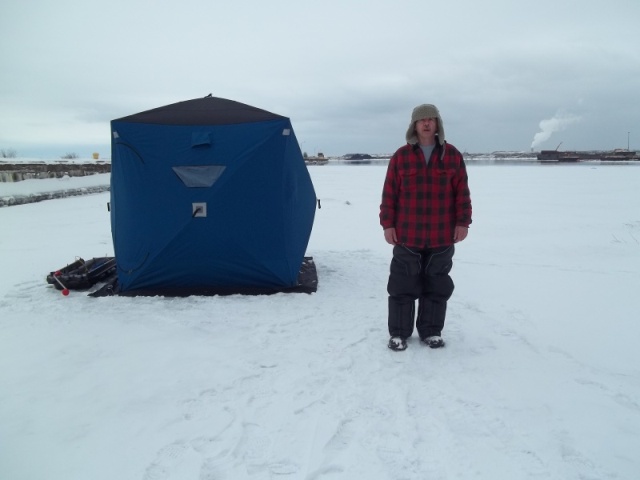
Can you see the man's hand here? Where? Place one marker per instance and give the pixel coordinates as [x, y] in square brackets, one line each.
[390, 236]
[459, 234]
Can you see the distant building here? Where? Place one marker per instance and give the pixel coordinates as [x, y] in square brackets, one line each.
[357, 156]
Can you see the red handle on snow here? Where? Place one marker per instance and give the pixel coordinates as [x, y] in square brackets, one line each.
[65, 290]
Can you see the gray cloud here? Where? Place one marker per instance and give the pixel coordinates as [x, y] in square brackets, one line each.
[346, 73]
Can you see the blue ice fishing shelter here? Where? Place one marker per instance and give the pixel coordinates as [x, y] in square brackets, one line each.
[208, 195]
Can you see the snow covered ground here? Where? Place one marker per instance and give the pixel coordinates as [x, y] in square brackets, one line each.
[37, 190]
[540, 378]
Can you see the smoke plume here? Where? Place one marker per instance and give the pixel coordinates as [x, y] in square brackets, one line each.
[557, 123]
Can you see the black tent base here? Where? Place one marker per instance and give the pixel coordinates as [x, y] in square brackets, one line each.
[307, 283]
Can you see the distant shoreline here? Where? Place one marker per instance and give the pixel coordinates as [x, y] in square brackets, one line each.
[19, 169]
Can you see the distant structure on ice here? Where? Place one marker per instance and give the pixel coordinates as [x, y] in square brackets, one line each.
[619, 154]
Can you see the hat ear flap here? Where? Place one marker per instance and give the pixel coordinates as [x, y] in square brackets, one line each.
[440, 130]
[411, 136]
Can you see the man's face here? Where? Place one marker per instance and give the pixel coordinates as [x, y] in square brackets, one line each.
[426, 130]
[427, 126]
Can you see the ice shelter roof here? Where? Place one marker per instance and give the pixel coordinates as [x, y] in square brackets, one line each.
[202, 111]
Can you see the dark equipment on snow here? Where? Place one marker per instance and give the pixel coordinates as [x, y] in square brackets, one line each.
[81, 274]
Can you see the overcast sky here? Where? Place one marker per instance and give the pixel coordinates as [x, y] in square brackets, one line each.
[506, 74]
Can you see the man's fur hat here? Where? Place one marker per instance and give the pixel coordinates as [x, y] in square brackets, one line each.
[424, 111]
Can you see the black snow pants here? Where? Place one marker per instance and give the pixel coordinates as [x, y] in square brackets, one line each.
[421, 275]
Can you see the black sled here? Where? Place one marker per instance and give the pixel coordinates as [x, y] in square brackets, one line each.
[83, 274]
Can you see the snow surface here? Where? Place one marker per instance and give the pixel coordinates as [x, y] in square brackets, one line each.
[540, 378]
[35, 190]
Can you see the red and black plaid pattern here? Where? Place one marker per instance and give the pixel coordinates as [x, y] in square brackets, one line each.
[425, 202]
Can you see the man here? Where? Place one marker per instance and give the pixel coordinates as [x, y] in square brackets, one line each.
[426, 208]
